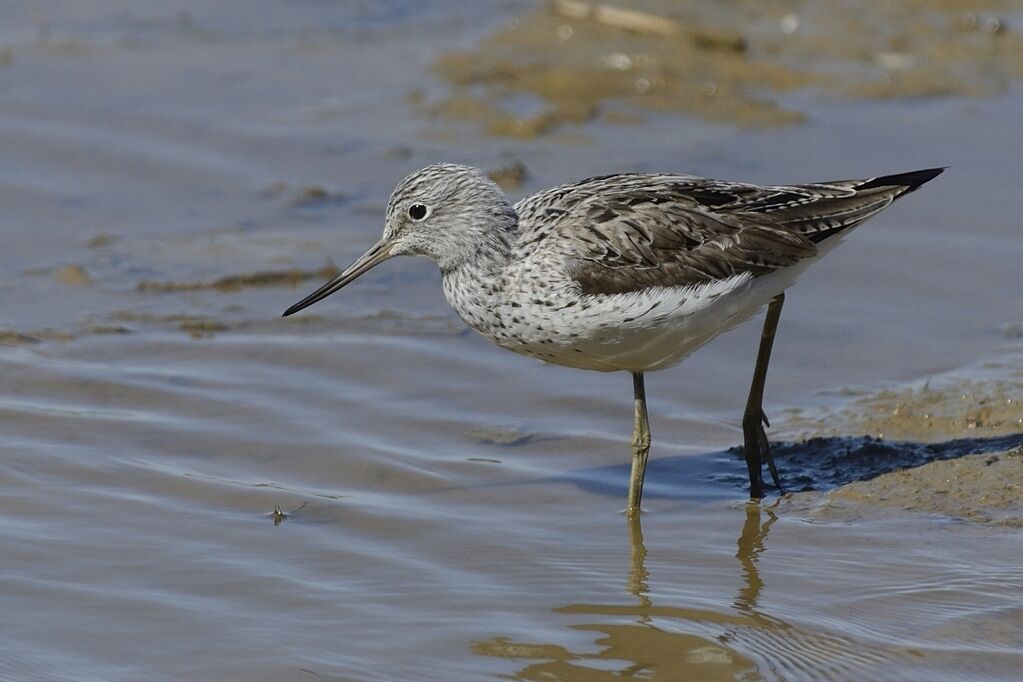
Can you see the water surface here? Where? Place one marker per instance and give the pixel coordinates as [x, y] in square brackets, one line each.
[448, 510]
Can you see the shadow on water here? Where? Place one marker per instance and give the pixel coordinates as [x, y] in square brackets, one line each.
[814, 464]
[650, 639]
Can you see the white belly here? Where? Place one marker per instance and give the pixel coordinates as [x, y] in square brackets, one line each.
[649, 330]
[644, 331]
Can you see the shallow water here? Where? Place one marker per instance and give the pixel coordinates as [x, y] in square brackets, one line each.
[447, 510]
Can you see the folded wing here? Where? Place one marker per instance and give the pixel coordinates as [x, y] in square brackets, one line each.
[633, 232]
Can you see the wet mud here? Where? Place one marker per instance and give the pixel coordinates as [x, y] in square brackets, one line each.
[570, 62]
[952, 449]
[983, 488]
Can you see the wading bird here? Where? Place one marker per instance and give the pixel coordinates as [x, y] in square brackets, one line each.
[629, 272]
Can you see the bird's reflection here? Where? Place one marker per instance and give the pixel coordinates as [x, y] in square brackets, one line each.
[750, 546]
[651, 640]
[659, 641]
[638, 575]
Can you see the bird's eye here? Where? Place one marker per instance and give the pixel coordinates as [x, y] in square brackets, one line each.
[418, 211]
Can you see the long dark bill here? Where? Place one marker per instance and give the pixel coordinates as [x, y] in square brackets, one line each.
[380, 252]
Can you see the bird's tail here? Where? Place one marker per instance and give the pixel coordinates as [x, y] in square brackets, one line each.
[863, 199]
[908, 181]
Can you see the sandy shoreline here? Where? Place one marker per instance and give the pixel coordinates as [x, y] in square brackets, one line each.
[985, 488]
[952, 447]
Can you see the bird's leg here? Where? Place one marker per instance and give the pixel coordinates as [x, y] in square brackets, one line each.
[755, 446]
[640, 444]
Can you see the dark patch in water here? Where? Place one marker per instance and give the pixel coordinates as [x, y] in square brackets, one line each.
[813, 464]
[825, 463]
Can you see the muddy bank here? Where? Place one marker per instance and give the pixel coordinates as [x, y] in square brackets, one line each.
[954, 449]
[982, 488]
[943, 409]
[570, 62]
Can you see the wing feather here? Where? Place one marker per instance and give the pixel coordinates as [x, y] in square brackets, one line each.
[630, 232]
[667, 239]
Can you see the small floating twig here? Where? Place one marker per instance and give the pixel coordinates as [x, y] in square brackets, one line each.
[648, 23]
[278, 515]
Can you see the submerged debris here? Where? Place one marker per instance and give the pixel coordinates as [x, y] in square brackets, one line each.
[308, 196]
[266, 278]
[100, 240]
[314, 196]
[278, 515]
[504, 436]
[197, 326]
[74, 275]
[511, 176]
[12, 338]
[16, 338]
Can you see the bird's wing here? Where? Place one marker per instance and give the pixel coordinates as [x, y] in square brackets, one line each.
[662, 233]
[631, 232]
[821, 210]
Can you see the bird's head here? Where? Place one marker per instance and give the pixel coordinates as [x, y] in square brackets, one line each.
[449, 213]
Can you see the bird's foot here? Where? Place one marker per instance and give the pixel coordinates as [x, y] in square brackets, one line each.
[757, 450]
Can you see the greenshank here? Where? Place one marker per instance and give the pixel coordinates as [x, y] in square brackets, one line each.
[629, 272]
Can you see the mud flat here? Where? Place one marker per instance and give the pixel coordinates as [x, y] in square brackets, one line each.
[954, 449]
[569, 62]
[979, 488]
